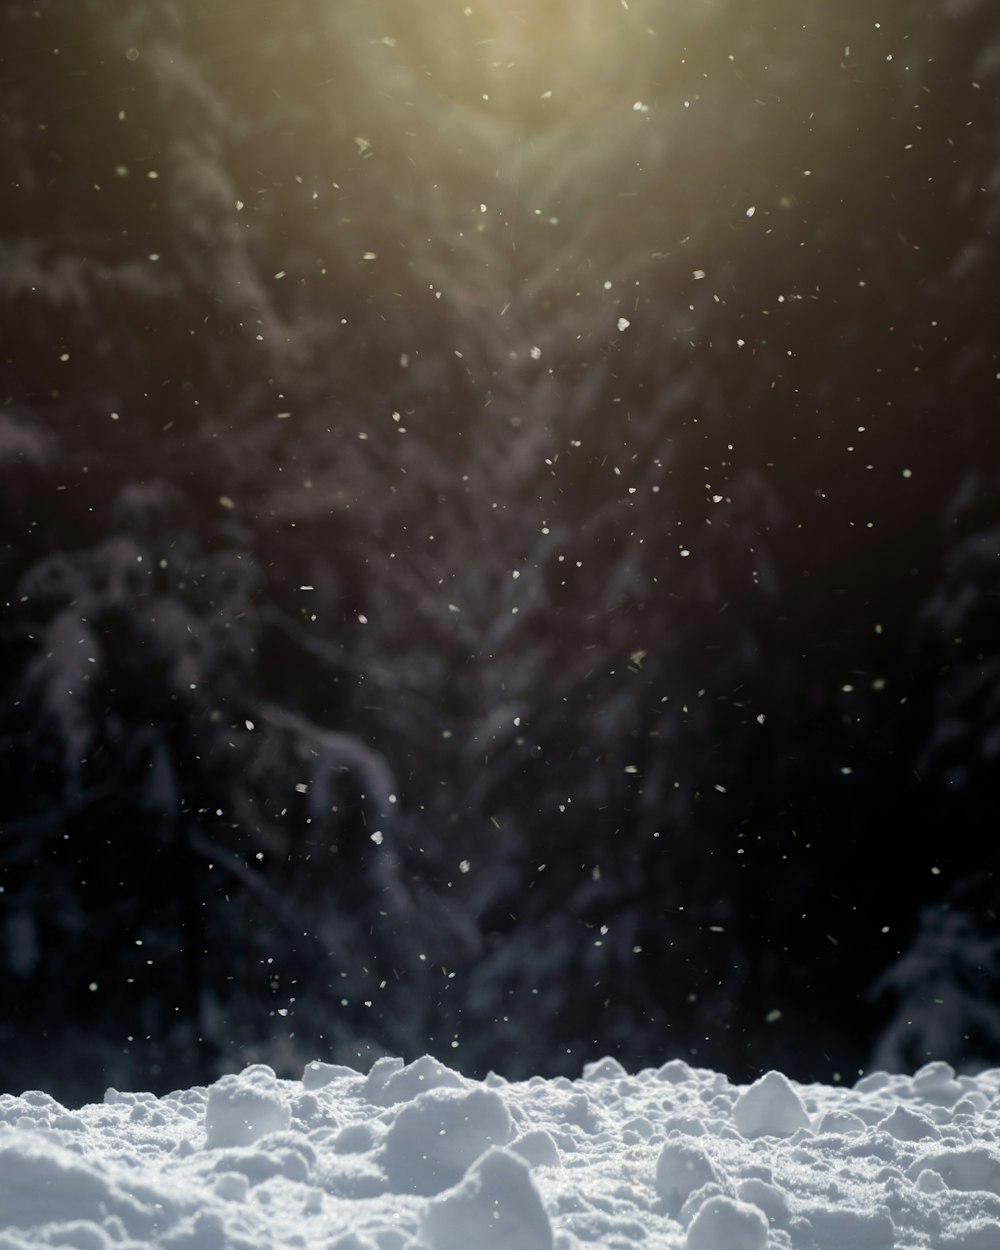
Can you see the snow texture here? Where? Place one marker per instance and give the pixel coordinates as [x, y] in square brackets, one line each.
[418, 1157]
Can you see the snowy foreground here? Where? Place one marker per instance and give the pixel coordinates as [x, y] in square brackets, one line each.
[417, 1157]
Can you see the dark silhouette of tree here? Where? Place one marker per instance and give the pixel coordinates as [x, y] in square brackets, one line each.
[496, 525]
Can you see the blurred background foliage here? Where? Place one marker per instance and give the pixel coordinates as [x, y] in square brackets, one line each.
[498, 536]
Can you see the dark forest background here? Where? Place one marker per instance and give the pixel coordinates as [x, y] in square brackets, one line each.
[499, 536]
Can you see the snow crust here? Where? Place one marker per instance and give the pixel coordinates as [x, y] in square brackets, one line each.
[418, 1157]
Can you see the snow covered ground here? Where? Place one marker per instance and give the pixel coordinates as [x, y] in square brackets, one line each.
[418, 1157]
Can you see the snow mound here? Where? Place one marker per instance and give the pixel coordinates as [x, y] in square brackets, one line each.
[770, 1107]
[418, 1157]
[390, 1082]
[496, 1207]
[681, 1169]
[243, 1108]
[724, 1224]
[437, 1136]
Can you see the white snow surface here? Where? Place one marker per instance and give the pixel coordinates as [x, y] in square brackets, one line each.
[418, 1157]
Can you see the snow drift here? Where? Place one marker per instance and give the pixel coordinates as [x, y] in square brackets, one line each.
[417, 1157]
